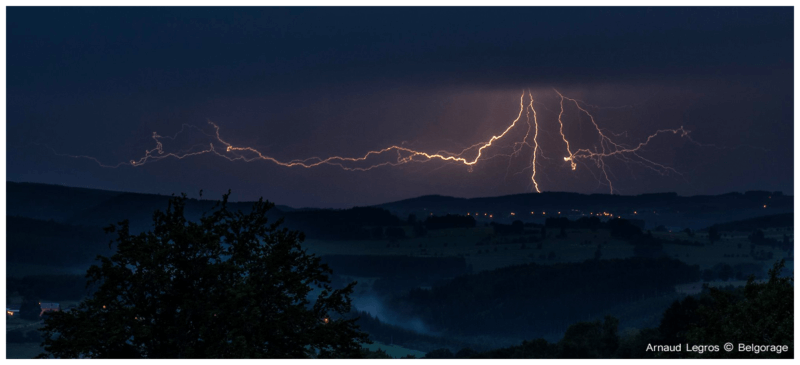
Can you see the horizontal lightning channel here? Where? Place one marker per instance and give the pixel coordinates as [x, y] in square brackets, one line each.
[607, 148]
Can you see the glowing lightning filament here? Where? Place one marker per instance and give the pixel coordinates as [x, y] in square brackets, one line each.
[607, 148]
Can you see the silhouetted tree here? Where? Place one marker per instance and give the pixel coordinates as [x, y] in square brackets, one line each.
[440, 354]
[449, 221]
[635, 346]
[764, 316]
[677, 319]
[465, 353]
[395, 232]
[419, 230]
[595, 340]
[622, 228]
[232, 285]
[592, 223]
[517, 227]
[377, 233]
[536, 349]
[377, 354]
[560, 222]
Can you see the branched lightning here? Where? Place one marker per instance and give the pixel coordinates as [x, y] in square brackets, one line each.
[596, 154]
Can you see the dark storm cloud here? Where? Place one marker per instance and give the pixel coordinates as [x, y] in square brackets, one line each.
[310, 81]
[241, 50]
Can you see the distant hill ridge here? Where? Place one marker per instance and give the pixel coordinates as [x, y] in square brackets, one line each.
[668, 209]
[92, 207]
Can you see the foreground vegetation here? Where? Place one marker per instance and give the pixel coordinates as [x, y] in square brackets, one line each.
[230, 286]
[454, 286]
[758, 313]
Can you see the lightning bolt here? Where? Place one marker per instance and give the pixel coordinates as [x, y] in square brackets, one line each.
[610, 148]
[535, 143]
[570, 158]
[605, 148]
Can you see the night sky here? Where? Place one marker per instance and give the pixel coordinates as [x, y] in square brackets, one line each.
[302, 82]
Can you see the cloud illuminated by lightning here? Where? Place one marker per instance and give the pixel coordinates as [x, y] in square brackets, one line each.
[604, 148]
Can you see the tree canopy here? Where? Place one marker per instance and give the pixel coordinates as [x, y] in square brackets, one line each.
[231, 285]
[761, 313]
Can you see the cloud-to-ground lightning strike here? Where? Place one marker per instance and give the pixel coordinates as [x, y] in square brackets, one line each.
[535, 144]
[469, 156]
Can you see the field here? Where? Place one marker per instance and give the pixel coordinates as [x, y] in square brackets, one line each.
[579, 245]
[394, 350]
[483, 250]
[24, 350]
